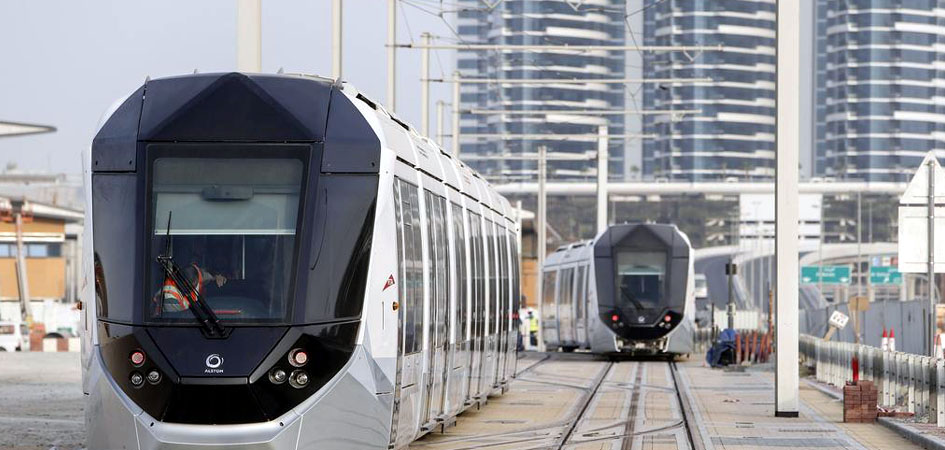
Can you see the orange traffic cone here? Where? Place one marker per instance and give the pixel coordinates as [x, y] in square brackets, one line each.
[892, 339]
[884, 344]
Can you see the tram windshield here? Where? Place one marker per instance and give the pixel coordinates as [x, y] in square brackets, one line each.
[640, 278]
[230, 226]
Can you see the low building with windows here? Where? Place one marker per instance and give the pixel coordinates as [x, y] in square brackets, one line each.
[51, 243]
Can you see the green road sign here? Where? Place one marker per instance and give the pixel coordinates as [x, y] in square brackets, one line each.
[885, 275]
[825, 274]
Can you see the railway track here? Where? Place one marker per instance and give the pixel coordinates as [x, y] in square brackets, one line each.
[573, 401]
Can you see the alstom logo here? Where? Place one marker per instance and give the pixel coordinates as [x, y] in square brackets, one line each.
[214, 361]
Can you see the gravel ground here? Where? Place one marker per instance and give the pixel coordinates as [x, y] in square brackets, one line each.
[41, 401]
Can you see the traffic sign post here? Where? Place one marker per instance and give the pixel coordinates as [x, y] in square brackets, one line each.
[826, 274]
[920, 216]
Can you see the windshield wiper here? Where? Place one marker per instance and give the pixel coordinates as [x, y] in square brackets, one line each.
[632, 299]
[198, 307]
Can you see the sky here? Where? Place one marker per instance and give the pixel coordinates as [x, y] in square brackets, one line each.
[64, 62]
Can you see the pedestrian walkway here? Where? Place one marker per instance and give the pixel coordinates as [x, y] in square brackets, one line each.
[735, 410]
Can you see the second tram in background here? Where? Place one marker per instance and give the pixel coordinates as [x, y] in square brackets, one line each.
[630, 289]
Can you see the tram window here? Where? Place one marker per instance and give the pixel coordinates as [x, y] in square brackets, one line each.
[516, 289]
[439, 269]
[640, 277]
[475, 236]
[505, 314]
[459, 253]
[411, 295]
[493, 275]
[581, 293]
[564, 298]
[232, 232]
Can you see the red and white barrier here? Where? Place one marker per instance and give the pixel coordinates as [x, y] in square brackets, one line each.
[61, 344]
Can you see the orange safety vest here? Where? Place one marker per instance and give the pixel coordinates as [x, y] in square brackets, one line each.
[171, 293]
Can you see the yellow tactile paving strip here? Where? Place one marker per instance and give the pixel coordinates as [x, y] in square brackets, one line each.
[735, 410]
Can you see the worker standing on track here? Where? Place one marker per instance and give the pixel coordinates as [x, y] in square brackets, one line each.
[533, 329]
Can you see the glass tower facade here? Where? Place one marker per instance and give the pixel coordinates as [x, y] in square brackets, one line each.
[733, 134]
[503, 111]
[883, 87]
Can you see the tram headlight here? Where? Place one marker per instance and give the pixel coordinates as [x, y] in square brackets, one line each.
[298, 357]
[298, 379]
[277, 376]
[136, 379]
[154, 377]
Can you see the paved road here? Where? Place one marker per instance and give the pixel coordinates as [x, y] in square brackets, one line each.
[41, 401]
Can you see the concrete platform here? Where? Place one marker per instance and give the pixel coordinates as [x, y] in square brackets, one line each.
[576, 401]
[735, 410]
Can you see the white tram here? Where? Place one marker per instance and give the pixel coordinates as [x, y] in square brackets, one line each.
[276, 262]
[630, 289]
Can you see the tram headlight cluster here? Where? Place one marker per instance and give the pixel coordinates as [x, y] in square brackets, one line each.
[137, 358]
[298, 378]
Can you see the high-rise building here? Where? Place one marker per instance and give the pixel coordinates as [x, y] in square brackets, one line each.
[733, 134]
[518, 117]
[883, 88]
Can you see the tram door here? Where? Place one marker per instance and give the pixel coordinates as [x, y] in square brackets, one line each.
[503, 311]
[566, 307]
[485, 380]
[459, 356]
[410, 313]
[477, 313]
[580, 306]
[436, 327]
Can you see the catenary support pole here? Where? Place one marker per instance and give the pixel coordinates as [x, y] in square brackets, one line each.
[391, 55]
[440, 132]
[454, 140]
[540, 228]
[425, 86]
[787, 138]
[930, 336]
[336, 37]
[602, 173]
[249, 35]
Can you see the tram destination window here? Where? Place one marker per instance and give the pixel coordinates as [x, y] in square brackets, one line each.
[229, 225]
[640, 278]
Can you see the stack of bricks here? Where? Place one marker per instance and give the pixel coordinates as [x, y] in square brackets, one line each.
[859, 402]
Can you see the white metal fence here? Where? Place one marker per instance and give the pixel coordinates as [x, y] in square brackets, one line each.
[905, 381]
